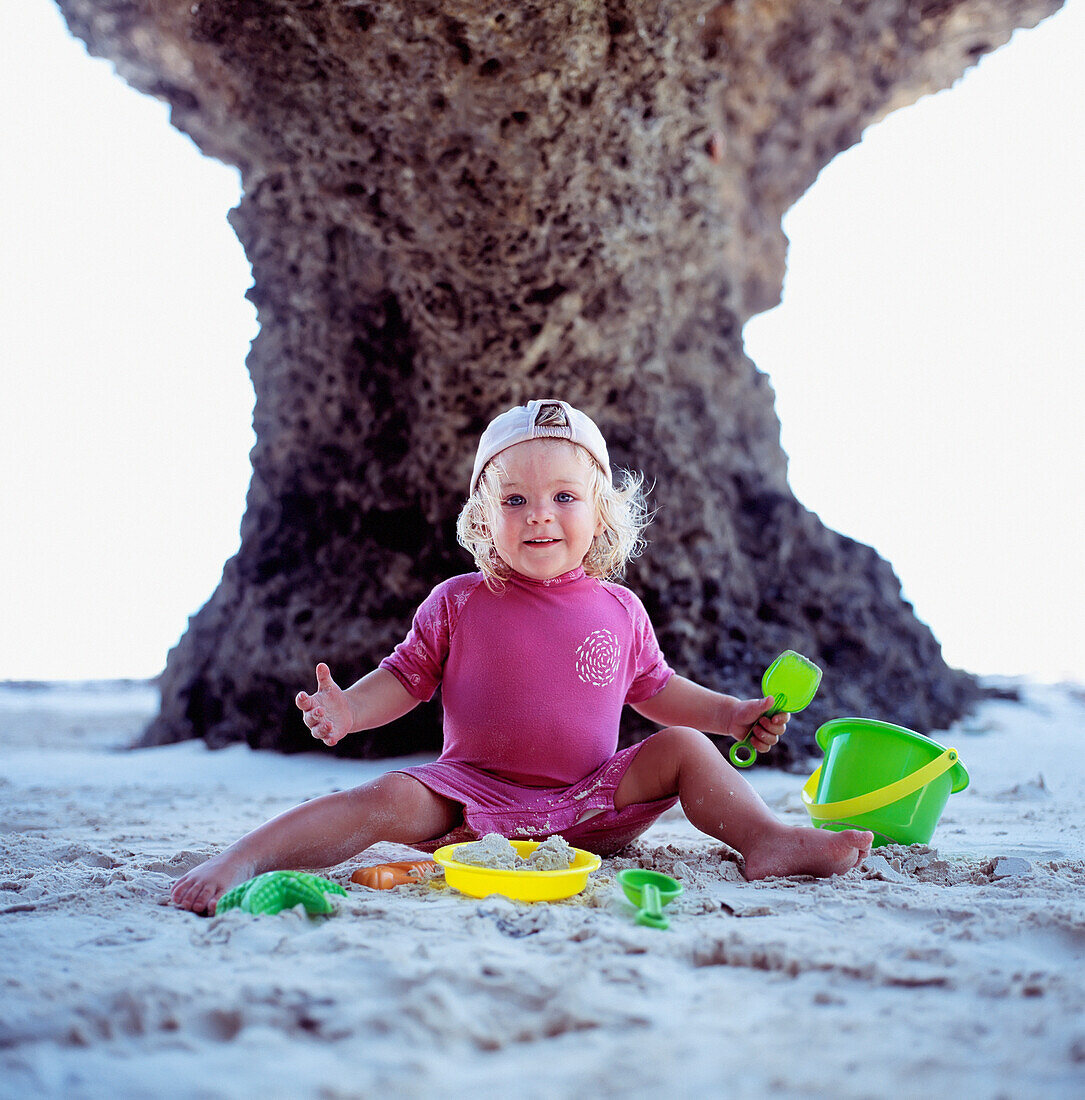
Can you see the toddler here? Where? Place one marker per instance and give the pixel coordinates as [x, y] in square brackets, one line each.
[536, 653]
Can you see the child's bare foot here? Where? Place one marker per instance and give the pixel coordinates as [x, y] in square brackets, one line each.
[807, 851]
[201, 888]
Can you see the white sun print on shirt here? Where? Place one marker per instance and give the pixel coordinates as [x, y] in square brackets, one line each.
[597, 658]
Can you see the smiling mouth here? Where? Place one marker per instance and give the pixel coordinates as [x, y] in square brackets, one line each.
[540, 542]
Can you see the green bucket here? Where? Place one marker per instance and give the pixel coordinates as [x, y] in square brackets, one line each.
[881, 777]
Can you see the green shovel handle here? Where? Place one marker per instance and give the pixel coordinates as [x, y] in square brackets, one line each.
[742, 754]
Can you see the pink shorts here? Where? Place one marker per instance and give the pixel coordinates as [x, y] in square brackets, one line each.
[584, 813]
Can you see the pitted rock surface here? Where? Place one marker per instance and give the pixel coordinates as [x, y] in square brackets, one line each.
[454, 206]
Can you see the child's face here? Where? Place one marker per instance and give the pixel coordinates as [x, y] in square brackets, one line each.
[546, 518]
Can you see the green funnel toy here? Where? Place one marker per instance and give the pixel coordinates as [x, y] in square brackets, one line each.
[649, 891]
[792, 681]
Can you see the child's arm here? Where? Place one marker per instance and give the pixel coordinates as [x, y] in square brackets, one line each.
[684, 703]
[375, 700]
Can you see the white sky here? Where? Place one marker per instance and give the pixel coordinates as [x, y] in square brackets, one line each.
[927, 359]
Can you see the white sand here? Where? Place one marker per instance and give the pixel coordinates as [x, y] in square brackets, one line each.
[959, 972]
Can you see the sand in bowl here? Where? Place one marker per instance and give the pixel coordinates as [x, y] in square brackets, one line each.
[494, 850]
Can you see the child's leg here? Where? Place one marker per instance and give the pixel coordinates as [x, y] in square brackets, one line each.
[719, 801]
[322, 833]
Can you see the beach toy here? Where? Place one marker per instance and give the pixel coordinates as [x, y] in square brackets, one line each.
[791, 680]
[277, 890]
[649, 891]
[881, 777]
[383, 876]
[480, 882]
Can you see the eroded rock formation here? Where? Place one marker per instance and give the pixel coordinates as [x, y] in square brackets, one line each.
[451, 206]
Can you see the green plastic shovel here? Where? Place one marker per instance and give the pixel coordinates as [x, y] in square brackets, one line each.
[649, 891]
[792, 681]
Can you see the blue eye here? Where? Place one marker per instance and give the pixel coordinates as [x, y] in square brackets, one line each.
[565, 498]
[515, 500]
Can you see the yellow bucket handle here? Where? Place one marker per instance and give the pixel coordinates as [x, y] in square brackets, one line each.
[874, 800]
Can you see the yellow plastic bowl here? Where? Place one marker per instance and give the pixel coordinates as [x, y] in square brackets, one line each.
[480, 882]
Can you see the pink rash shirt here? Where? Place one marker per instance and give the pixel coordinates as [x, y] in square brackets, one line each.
[533, 677]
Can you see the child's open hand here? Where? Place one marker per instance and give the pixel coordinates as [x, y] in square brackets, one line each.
[327, 713]
[752, 714]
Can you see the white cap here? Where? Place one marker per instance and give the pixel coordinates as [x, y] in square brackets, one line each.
[520, 424]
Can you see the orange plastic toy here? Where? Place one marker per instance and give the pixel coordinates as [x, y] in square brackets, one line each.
[383, 876]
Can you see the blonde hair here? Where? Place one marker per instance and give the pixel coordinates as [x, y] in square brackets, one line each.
[621, 508]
